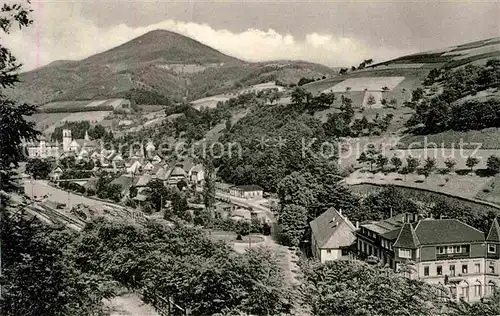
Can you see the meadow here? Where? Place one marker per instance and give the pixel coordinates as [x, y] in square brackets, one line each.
[488, 138]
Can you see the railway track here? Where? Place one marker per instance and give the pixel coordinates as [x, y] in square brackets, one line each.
[56, 216]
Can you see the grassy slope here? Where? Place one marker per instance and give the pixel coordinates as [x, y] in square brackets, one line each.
[489, 138]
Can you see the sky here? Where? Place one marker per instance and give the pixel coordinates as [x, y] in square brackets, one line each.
[333, 33]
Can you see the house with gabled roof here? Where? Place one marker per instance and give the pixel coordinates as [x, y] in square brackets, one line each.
[175, 175]
[333, 236]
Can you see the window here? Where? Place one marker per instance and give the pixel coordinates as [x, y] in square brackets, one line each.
[449, 249]
[492, 248]
[404, 253]
[458, 249]
[477, 268]
[345, 252]
[441, 250]
[492, 287]
[426, 271]
[465, 269]
[328, 251]
[439, 270]
[452, 270]
[477, 290]
[369, 250]
[491, 268]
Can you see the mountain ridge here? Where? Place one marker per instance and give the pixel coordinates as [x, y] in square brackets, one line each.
[160, 62]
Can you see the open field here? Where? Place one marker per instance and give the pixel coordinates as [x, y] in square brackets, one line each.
[488, 138]
[65, 104]
[462, 185]
[47, 122]
[209, 102]
[366, 83]
[151, 108]
[93, 117]
[491, 191]
[425, 196]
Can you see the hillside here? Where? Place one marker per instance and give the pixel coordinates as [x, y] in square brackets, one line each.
[160, 62]
[401, 75]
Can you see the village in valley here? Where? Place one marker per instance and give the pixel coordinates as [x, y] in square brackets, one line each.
[162, 176]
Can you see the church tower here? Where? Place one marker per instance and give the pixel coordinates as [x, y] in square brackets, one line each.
[66, 139]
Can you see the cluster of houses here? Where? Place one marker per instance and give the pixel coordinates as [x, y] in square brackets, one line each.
[138, 169]
[456, 257]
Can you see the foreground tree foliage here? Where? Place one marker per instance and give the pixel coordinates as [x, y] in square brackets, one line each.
[182, 263]
[13, 126]
[39, 274]
[356, 288]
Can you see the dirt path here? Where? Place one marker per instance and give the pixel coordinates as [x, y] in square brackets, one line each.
[129, 305]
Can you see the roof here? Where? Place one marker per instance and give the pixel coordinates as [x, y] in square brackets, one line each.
[124, 181]
[332, 230]
[407, 237]
[85, 143]
[392, 234]
[246, 188]
[198, 168]
[241, 212]
[385, 226]
[494, 233]
[91, 184]
[143, 180]
[177, 171]
[446, 231]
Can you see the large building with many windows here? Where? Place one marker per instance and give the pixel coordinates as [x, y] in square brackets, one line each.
[456, 257]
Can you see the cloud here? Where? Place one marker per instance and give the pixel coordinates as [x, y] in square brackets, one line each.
[56, 35]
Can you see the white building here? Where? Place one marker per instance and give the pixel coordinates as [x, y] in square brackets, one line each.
[43, 149]
[247, 191]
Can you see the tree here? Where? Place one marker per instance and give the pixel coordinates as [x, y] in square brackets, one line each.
[37, 260]
[179, 204]
[430, 164]
[417, 95]
[405, 171]
[14, 127]
[157, 194]
[412, 164]
[493, 164]
[133, 191]
[382, 161]
[293, 223]
[371, 155]
[371, 100]
[209, 185]
[396, 162]
[329, 291]
[450, 164]
[38, 168]
[113, 192]
[181, 184]
[471, 162]
[296, 189]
